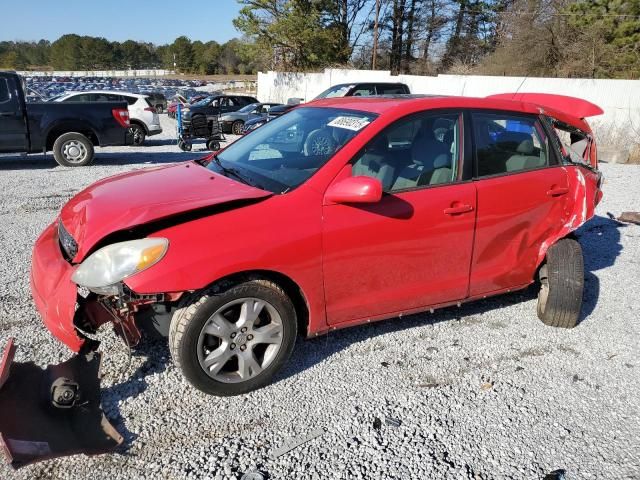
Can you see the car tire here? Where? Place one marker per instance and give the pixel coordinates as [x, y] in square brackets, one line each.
[319, 142]
[73, 150]
[561, 285]
[236, 127]
[209, 316]
[159, 109]
[213, 145]
[139, 135]
[184, 146]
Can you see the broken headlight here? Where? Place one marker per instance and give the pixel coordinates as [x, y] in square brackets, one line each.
[103, 270]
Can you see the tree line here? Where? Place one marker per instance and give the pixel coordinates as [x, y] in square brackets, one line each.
[570, 38]
[74, 52]
[586, 38]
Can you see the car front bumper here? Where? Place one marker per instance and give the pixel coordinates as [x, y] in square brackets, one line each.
[53, 292]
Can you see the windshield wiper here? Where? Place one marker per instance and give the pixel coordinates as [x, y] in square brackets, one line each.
[236, 173]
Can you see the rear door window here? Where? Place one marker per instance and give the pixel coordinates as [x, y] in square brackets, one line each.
[508, 144]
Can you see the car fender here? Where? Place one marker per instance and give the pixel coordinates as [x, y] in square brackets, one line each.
[584, 191]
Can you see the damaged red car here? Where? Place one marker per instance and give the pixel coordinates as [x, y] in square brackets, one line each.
[341, 212]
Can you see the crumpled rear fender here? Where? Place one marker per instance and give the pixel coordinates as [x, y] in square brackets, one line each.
[584, 188]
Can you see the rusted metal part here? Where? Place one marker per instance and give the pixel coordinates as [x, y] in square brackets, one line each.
[630, 217]
[52, 412]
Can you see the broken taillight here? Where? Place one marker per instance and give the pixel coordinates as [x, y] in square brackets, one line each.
[122, 116]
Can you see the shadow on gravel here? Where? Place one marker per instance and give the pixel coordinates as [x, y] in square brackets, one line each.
[600, 240]
[156, 354]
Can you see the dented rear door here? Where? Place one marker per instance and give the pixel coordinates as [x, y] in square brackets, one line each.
[522, 200]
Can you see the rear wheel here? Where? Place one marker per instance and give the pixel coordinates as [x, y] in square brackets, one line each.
[73, 150]
[236, 127]
[213, 145]
[232, 339]
[561, 285]
[138, 134]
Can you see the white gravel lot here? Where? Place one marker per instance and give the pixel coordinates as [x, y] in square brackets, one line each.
[483, 391]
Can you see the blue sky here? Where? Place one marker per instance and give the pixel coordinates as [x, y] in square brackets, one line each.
[157, 21]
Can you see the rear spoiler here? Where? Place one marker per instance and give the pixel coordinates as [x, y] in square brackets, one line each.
[576, 107]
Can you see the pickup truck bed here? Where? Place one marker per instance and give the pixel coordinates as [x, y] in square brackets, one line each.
[70, 129]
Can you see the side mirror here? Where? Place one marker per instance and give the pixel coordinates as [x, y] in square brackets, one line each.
[359, 189]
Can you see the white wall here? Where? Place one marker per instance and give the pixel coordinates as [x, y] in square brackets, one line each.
[620, 99]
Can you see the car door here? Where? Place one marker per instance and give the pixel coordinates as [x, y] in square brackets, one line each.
[522, 194]
[412, 249]
[13, 130]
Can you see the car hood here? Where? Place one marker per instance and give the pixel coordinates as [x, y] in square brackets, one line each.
[143, 196]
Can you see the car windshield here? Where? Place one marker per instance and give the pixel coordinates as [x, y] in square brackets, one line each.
[203, 102]
[287, 151]
[249, 108]
[336, 91]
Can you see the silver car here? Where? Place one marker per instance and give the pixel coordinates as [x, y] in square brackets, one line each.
[233, 122]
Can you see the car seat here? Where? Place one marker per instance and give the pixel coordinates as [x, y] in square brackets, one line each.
[373, 163]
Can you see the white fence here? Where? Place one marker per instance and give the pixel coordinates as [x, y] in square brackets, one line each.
[100, 73]
[617, 130]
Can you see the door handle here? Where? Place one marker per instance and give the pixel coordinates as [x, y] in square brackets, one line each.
[557, 191]
[458, 209]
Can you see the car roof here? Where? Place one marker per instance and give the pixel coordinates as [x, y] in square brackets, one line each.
[107, 92]
[394, 105]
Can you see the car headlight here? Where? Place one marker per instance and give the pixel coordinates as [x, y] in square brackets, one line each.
[102, 270]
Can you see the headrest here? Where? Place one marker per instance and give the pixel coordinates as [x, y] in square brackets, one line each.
[510, 141]
[442, 161]
[525, 147]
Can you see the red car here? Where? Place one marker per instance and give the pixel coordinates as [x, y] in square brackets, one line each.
[341, 212]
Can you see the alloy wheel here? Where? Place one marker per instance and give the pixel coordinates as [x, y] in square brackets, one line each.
[240, 340]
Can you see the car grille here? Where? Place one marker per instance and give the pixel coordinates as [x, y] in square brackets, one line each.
[68, 244]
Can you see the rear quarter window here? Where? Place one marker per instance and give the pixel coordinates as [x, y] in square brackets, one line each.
[130, 100]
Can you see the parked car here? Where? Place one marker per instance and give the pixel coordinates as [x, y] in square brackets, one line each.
[338, 213]
[274, 112]
[364, 89]
[71, 131]
[143, 116]
[173, 106]
[158, 101]
[234, 122]
[215, 105]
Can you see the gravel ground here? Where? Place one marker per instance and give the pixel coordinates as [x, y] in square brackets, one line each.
[482, 391]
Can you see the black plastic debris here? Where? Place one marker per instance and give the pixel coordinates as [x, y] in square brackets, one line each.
[556, 475]
[52, 412]
[377, 423]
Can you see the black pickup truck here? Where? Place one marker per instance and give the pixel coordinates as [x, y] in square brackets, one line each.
[70, 129]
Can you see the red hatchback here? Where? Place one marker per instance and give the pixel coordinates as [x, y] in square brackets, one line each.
[340, 212]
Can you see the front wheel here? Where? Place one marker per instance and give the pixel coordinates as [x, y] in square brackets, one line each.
[561, 285]
[73, 150]
[232, 339]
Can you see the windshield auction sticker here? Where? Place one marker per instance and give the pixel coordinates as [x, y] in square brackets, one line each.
[349, 123]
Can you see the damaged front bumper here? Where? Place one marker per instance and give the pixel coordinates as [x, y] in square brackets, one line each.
[54, 294]
[68, 315]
